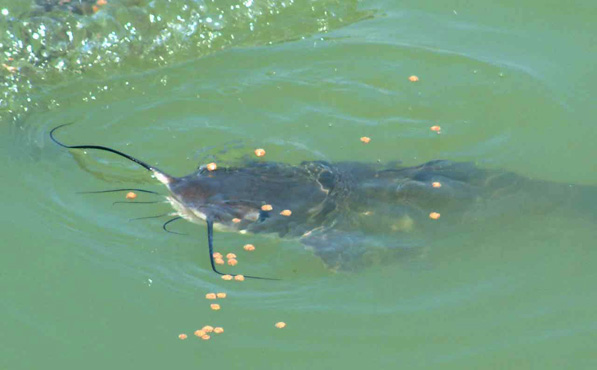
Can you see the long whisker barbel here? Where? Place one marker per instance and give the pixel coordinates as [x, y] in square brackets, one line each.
[159, 175]
[118, 190]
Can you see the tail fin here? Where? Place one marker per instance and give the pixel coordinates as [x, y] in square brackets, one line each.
[161, 176]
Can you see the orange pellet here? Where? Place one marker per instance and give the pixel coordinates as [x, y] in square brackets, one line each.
[249, 247]
[365, 139]
[286, 212]
[205, 337]
[101, 2]
[215, 306]
[219, 261]
[226, 277]
[95, 8]
[221, 295]
[434, 215]
[232, 262]
[182, 336]
[131, 195]
[239, 278]
[435, 128]
[259, 152]
[212, 167]
[267, 207]
[210, 296]
[231, 255]
[436, 184]
[280, 325]
[218, 330]
[217, 255]
[413, 78]
[236, 220]
[199, 333]
[207, 328]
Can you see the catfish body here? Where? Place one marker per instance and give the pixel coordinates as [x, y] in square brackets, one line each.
[349, 212]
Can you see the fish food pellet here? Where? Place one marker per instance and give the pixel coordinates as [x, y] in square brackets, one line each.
[259, 152]
[436, 184]
[267, 207]
[199, 333]
[212, 167]
[208, 328]
[249, 247]
[413, 78]
[286, 212]
[218, 330]
[435, 128]
[232, 262]
[217, 255]
[210, 296]
[131, 195]
[215, 306]
[280, 325]
[231, 255]
[205, 337]
[239, 278]
[219, 261]
[182, 336]
[221, 295]
[227, 277]
[434, 215]
[365, 139]
[236, 220]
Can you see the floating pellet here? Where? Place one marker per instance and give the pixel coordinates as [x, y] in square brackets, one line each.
[227, 277]
[249, 247]
[208, 328]
[236, 220]
[413, 78]
[434, 215]
[215, 306]
[365, 139]
[210, 296]
[219, 261]
[436, 184]
[98, 2]
[217, 255]
[267, 207]
[239, 278]
[435, 128]
[286, 212]
[232, 262]
[205, 337]
[259, 152]
[280, 325]
[231, 255]
[182, 336]
[221, 295]
[218, 330]
[199, 333]
[130, 195]
[212, 167]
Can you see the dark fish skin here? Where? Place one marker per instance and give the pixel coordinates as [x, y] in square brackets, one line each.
[348, 212]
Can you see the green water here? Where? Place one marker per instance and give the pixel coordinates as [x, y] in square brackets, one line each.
[511, 84]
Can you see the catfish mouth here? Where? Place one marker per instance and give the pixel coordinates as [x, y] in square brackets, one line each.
[189, 214]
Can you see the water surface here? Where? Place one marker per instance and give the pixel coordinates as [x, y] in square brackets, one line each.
[512, 86]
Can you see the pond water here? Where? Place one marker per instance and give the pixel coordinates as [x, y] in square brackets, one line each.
[180, 84]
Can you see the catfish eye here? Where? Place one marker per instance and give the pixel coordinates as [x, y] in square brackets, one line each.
[262, 216]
